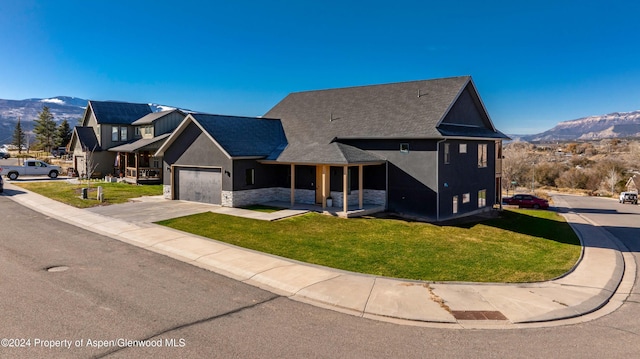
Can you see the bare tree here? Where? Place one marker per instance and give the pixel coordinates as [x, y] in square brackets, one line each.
[90, 164]
[612, 179]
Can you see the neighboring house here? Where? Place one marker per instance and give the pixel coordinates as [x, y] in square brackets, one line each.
[105, 124]
[423, 148]
[134, 161]
[632, 184]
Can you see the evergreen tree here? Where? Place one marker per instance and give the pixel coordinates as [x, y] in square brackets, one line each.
[45, 129]
[63, 134]
[18, 137]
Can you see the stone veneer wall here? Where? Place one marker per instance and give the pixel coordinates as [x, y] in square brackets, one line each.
[280, 194]
[370, 196]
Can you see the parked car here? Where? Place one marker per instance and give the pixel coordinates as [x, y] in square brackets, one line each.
[59, 152]
[4, 155]
[526, 201]
[629, 197]
[30, 168]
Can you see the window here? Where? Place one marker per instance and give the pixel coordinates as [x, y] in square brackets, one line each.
[114, 133]
[463, 148]
[147, 130]
[482, 198]
[482, 155]
[404, 147]
[455, 204]
[123, 133]
[447, 158]
[466, 198]
[250, 176]
[137, 131]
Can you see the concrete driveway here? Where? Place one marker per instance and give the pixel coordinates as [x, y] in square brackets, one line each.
[152, 209]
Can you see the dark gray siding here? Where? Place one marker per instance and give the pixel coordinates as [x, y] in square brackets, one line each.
[194, 148]
[266, 176]
[412, 180]
[462, 175]
[465, 111]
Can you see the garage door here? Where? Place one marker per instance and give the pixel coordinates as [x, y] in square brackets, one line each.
[198, 184]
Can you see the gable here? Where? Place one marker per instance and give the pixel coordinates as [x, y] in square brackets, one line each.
[467, 110]
[235, 136]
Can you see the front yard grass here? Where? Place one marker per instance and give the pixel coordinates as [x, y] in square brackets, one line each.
[70, 193]
[520, 246]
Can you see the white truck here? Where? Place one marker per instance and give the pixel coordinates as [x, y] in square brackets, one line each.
[30, 168]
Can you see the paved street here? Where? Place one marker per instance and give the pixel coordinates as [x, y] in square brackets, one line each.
[113, 290]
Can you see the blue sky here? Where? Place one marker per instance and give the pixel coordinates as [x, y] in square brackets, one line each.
[535, 63]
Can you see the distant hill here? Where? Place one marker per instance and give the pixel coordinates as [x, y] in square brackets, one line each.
[61, 107]
[612, 125]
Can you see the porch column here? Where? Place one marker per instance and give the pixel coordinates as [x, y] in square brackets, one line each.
[345, 189]
[324, 187]
[360, 190]
[293, 184]
[137, 166]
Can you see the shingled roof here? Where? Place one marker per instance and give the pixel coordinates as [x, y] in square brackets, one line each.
[119, 113]
[313, 120]
[237, 136]
[87, 138]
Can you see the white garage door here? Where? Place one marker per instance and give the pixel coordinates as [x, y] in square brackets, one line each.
[198, 184]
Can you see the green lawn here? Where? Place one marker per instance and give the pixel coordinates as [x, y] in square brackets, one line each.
[521, 246]
[70, 193]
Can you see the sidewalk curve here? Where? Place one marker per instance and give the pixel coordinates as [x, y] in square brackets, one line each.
[598, 284]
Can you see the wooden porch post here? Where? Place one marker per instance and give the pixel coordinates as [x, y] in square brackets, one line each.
[293, 184]
[360, 185]
[137, 166]
[324, 187]
[345, 189]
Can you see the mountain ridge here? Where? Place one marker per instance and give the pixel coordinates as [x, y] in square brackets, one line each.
[611, 125]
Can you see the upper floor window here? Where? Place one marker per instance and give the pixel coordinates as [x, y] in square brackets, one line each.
[148, 130]
[123, 133]
[463, 148]
[482, 155]
[114, 133]
[404, 147]
[447, 154]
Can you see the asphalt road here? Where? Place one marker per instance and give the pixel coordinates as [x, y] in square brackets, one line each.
[113, 294]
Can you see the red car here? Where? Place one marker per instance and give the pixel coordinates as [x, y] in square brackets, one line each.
[526, 201]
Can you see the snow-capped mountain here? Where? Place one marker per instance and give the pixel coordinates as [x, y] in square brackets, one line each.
[612, 125]
[61, 107]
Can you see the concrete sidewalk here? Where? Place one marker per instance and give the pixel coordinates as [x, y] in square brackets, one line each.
[598, 284]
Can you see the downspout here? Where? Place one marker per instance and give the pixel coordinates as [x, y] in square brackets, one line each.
[438, 178]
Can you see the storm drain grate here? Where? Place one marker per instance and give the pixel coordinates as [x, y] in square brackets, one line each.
[478, 315]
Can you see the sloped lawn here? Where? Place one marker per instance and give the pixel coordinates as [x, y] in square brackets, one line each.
[521, 246]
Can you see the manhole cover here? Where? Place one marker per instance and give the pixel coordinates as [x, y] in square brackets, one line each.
[56, 269]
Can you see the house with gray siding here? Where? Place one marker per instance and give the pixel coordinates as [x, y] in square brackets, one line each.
[135, 161]
[425, 149]
[105, 124]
